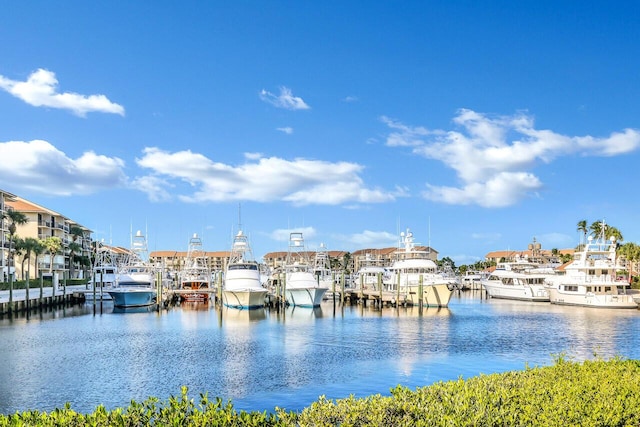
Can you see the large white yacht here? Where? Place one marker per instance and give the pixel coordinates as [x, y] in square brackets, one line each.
[595, 278]
[302, 288]
[413, 271]
[519, 280]
[242, 287]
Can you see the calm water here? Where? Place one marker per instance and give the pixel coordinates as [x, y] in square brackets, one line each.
[262, 359]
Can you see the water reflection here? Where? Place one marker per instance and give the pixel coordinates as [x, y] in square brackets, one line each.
[266, 357]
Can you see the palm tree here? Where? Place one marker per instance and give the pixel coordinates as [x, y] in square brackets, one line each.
[582, 227]
[73, 249]
[631, 252]
[30, 246]
[52, 245]
[77, 234]
[15, 218]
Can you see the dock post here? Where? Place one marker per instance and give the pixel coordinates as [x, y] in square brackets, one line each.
[41, 290]
[420, 294]
[26, 289]
[158, 290]
[284, 290]
[361, 293]
[380, 287]
[342, 296]
[398, 290]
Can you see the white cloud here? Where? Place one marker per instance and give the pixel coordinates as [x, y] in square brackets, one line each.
[39, 166]
[282, 234]
[493, 156]
[40, 90]
[299, 181]
[288, 130]
[370, 239]
[285, 100]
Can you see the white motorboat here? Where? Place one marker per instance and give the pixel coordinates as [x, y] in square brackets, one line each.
[471, 280]
[135, 279]
[322, 268]
[371, 274]
[103, 276]
[302, 288]
[414, 277]
[195, 277]
[595, 278]
[519, 280]
[242, 288]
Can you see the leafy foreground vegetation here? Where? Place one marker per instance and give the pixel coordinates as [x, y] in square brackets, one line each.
[592, 393]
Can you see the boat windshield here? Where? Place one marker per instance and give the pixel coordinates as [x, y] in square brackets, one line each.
[243, 267]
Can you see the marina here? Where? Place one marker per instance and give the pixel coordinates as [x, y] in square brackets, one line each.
[263, 358]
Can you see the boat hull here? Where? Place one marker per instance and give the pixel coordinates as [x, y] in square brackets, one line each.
[520, 293]
[433, 295]
[306, 297]
[244, 298]
[588, 299]
[124, 298]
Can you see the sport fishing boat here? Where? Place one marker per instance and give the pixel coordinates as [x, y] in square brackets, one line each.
[414, 272]
[103, 276]
[135, 279]
[195, 278]
[302, 288]
[595, 278]
[242, 288]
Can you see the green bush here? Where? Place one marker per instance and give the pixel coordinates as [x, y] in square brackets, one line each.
[592, 393]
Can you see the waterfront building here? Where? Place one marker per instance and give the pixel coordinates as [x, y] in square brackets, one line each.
[42, 223]
[5, 269]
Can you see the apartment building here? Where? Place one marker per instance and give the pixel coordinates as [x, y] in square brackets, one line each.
[174, 261]
[42, 223]
[5, 269]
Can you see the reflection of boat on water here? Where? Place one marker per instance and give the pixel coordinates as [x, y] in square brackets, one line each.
[135, 279]
[141, 309]
[242, 287]
[237, 317]
[595, 278]
[302, 287]
[195, 305]
[414, 271]
[195, 276]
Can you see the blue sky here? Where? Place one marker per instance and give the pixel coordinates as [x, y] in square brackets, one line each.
[478, 125]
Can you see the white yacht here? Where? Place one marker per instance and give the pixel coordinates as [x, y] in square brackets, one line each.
[242, 287]
[103, 276]
[322, 268]
[371, 274]
[302, 287]
[135, 280]
[595, 278]
[471, 280]
[195, 275]
[414, 271]
[519, 280]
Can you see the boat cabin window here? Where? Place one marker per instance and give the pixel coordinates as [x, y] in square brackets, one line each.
[243, 267]
[571, 288]
[607, 288]
[592, 273]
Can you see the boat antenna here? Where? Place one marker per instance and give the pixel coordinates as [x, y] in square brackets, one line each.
[429, 235]
[240, 216]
